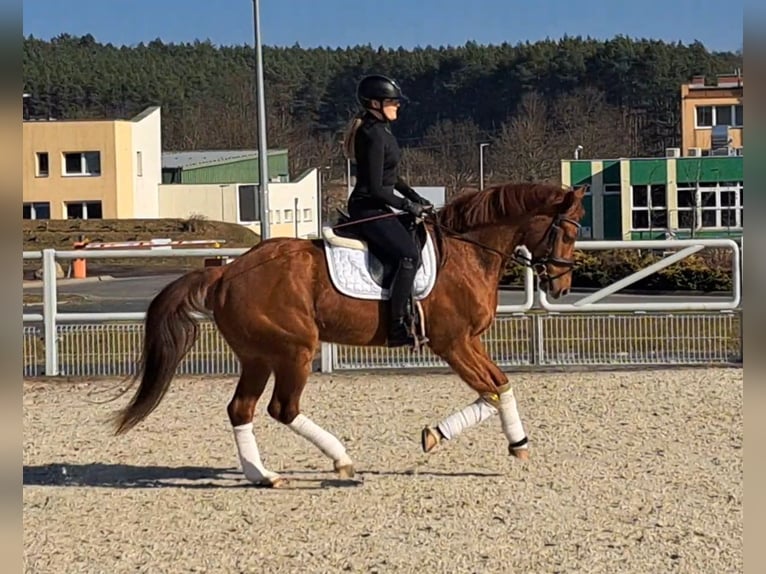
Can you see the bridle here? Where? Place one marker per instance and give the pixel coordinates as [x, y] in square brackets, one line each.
[538, 264]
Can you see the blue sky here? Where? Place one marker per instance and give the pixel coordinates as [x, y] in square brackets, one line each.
[390, 23]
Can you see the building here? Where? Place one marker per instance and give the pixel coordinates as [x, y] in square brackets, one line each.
[91, 169]
[694, 191]
[223, 166]
[712, 116]
[294, 208]
[655, 198]
[223, 185]
[115, 169]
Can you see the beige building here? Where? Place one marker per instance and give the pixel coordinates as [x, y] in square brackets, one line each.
[712, 117]
[92, 169]
[112, 169]
[293, 207]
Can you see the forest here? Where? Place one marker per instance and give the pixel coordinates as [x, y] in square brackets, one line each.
[534, 103]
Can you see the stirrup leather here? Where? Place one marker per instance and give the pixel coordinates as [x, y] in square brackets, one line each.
[419, 320]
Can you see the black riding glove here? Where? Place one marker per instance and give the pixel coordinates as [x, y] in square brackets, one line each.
[423, 201]
[416, 209]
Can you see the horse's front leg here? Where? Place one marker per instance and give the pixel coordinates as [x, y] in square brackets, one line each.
[475, 367]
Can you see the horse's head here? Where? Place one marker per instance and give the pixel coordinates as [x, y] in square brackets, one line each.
[550, 236]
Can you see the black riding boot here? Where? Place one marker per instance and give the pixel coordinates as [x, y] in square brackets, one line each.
[401, 292]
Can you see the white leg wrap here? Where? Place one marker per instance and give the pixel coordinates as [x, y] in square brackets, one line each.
[470, 415]
[323, 440]
[509, 417]
[250, 457]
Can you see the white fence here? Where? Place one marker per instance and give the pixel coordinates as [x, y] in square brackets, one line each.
[535, 333]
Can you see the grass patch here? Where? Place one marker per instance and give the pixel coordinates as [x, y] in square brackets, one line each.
[37, 298]
[62, 234]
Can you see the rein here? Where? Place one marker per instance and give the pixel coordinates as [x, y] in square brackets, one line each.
[536, 263]
[373, 218]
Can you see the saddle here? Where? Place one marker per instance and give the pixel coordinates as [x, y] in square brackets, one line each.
[356, 271]
[350, 237]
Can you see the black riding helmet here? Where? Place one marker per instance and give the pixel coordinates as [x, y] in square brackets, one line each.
[377, 87]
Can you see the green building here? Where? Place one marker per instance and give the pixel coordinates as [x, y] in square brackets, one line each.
[222, 166]
[655, 198]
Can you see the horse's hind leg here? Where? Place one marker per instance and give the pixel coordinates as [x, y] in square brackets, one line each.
[241, 409]
[291, 376]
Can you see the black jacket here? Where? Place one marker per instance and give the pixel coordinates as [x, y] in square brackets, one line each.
[377, 160]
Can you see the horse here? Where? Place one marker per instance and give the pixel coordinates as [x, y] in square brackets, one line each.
[276, 302]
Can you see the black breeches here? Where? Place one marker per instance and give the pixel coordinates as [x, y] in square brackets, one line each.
[388, 238]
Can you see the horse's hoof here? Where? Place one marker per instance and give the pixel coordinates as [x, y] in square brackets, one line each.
[429, 439]
[279, 482]
[270, 482]
[520, 453]
[345, 470]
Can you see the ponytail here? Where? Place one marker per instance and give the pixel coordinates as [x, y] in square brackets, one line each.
[348, 139]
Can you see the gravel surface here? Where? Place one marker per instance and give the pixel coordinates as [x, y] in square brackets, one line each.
[630, 472]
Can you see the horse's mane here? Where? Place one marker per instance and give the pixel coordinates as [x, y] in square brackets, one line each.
[473, 209]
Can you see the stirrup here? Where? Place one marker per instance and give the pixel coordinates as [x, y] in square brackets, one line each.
[420, 339]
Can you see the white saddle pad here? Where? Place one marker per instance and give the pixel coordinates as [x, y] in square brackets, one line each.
[350, 275]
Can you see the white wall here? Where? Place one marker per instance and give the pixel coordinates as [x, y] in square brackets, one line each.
[147, 140]
[182, 201]
[282, 197]
[221, 203]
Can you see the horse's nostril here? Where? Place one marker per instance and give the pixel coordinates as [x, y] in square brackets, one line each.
[564, 292]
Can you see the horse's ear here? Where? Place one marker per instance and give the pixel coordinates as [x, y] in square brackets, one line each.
[570, 198]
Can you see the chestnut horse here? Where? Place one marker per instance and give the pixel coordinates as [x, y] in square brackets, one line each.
[276, 302]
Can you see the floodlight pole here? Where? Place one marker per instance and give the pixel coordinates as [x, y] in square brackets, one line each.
[263, 159]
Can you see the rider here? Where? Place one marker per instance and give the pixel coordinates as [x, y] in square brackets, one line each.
[370, 142]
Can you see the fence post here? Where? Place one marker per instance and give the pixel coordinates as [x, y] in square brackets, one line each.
[327, 357]
[539, 342]
[50, 298]
[538, 337]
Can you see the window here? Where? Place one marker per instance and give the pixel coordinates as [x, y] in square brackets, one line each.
[248, 204]
[710, 206]
[709, 116]
[649, 207]
[612, 189]
[139, 164]
[704, 116]
[42, 164]
[82, 163]
[307, 215]
[83, 210]
[37, 210]
[274, 216]
[288, 215]
[724, 116]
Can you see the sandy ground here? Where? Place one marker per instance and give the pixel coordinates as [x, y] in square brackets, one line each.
[630, 472]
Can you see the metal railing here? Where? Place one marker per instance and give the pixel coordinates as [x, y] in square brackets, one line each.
[531, 334]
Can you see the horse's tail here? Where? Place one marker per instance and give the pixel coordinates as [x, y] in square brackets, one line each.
[170, 330]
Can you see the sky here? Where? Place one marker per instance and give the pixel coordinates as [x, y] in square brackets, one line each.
[388, 23]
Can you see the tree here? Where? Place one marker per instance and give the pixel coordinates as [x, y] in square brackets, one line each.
[522, 150]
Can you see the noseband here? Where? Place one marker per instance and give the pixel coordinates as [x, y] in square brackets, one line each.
[550, 238]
